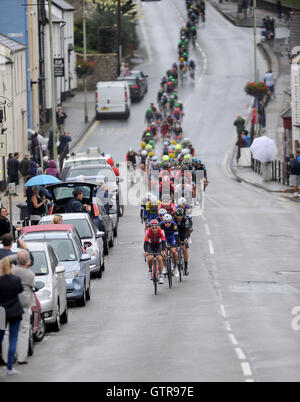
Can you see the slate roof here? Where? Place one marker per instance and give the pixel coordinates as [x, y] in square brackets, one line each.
[11, 44]
[63, 5]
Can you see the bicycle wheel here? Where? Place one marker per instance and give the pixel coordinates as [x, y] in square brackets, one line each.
[169, 271]
[180, 264]
[155, 276]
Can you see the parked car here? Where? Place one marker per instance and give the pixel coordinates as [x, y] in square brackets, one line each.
[92, 156]
[92, 173]
[67, 245]
[142, 78]
[91, 238]
[137, 87]
[112, 99]
[110, 220]
[53, 296]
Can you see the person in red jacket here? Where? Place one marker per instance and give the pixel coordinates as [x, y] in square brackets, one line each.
[155, 242]
[114, 168]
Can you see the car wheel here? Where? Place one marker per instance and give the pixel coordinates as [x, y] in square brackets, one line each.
[89, 292]
[116, 231]
[105, 248]
[57, 324]
[103, 265]
[65, 316]
[121, 210]
[40, 333]
[31, 342]
[112, 241]
[82, 302]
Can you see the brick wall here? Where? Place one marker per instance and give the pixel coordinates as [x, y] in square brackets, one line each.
[106, 69]
[295, 29]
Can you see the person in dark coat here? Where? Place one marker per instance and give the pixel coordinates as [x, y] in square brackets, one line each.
[63, 148]
[5, 226]
[24, 167]
[10, 288]
[35, 146]
[60, 118]
[32, 168]
[13, 169]
[241, 143]
[240, 124]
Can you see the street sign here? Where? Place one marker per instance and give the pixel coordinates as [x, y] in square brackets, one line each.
[11, 188]
[59, 67]
[2, 145]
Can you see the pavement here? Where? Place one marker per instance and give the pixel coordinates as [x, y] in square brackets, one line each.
[274, 53]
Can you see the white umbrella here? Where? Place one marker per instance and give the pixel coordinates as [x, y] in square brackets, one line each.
[264, 149]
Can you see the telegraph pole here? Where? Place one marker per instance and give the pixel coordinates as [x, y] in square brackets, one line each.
[86, 117]
[52, 83]
[255, 63]
[119, 34]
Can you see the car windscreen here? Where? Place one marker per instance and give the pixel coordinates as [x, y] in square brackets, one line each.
[82, 227]
[63, 248]
[40, 266]
[84, 172]
[61, 193]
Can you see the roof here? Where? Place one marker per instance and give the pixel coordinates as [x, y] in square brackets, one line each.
[70, 215]
[47, 228]
[32, 246]
[63, 5]
[11, 44]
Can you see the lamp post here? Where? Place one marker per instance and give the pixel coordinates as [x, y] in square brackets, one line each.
[52, 82]
[255, 63]
[86, 117]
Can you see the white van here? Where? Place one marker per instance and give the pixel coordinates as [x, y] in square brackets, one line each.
[112, 99]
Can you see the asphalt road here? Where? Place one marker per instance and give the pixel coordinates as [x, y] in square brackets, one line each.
[231, 319]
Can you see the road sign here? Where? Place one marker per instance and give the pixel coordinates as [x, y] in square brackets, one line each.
[2, 145]
[59, 67]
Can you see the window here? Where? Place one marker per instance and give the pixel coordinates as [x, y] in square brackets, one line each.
[40, 266]
[64, 250]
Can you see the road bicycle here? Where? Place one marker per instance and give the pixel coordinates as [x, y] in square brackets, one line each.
[155, 271]
[168, 263]
[181, 259]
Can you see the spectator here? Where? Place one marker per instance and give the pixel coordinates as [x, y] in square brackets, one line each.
[5, 226]
[245, 7]
[50, 145]
[241, 143]
[114, 168]
[32, 168]
[279, 9]
[75, 203]
[7, 242]
[63, 147]
[247, 138]
[38, 208]
[35, 146]
[10, 288]
[294, 174]
[57, 220]
[60, 118]
[24, 167]
[262, 114]
[13, 170]
[268, 79]
[52, 170]
[240, 124]
[46, 162]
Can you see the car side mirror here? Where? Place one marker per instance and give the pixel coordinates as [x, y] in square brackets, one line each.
[100, 234]
[60, 269]
[85, 257]
[38, 286]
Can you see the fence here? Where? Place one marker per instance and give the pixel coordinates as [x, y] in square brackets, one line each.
[278, 170]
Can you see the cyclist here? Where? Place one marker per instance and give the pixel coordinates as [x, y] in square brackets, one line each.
[155, 242]
[183, 227]
[143, 160]
[131, 158]
[161, 213]
[149, 115]
[152, 208]
[171, 234]
[192, 68]
[182, 204]
[143, 213]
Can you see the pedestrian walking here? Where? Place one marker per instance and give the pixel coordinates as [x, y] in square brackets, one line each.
[60, 118]
[24, 167]
[293, 169]
[13, 170]
[240, 125]
[247, 138]
[63, 148]
[10, 288]
[241, 143]
[22, 271]
[262, 114]
[268, 79]
[35, 147]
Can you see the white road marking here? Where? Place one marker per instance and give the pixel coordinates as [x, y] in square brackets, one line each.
[240, 353]
[227, 326]
[223, 311]
[211, 247]
[232, 339]
[246, 369]
[207, 229]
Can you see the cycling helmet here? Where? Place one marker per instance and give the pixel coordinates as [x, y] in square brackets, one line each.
[143, 144]
[154, 158]
[186, 162]
[148, 134]
[151, 142]
[166, 143]
[130, 150]
[173, 142]
[187, 156]
[162, 212]
[144, 153]
[165, 158]
[181, 201]
[166, 165]
[149, 147]
[179, 212]
[184, 167]
[168, 218]
[184, 151]
[186, 141]
[178, 147]
[154, 222]
[151, 154]
[171, 160]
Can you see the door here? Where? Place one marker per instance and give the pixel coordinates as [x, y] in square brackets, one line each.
[60, 281]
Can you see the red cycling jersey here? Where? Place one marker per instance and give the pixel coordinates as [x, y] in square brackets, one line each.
[170, 208]
[155, 238]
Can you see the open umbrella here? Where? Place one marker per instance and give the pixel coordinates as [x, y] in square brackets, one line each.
[41, 180]
[264, 149]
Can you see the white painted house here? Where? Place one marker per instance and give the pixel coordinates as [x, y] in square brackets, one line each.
[13, 87]
[63, 48]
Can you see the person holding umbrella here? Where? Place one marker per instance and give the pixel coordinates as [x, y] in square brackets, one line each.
[38, 208]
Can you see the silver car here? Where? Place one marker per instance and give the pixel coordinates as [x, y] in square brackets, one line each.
[53, 296]
[90, 237]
